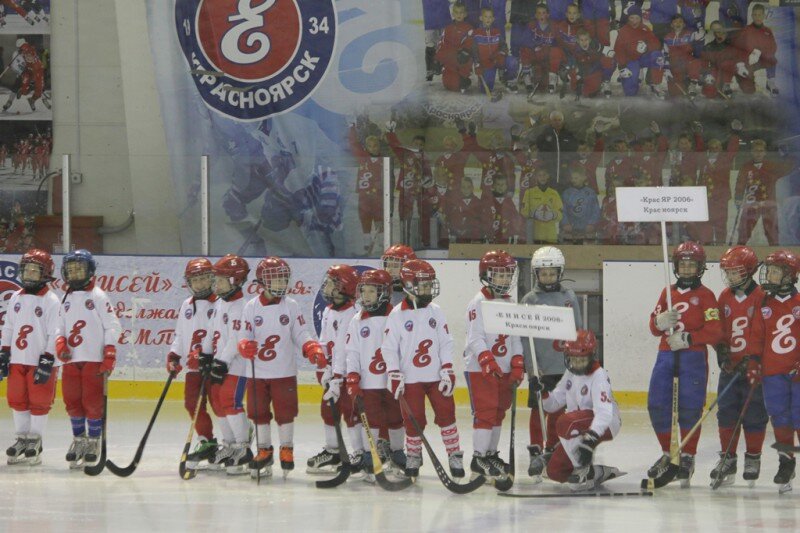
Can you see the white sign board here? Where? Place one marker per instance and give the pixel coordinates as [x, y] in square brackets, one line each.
[538, 321]
[656, 204]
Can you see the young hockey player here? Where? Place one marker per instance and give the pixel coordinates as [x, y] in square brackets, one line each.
[736, 354]
[547, 270]
[491, 53]
[777, 325]
[87, 346]
[592, 415]
[393, 260]
[454, 51]
[685, 330]
[227, 370]
[418, 350]
[26, 356]
[274, 329]
[637, 48]
[366, 369]
[194, 325]
[339, 291]
[493, 364]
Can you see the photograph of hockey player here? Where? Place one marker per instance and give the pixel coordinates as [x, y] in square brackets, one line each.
[227, 371]
[87, 347]
[453, 158]
[755, 49]
[506, 222]
[543, 209]
[567, 28]
[684, 331]
[638, 48]
[777, 326]
[392, 260]
[369, 185]
[497, 7]
[581, 210]
[547, 271]
[27, 65]
[540, 54]
[649, 155]
[590, 66]
[26, 356]
[494, 159]
[719, 63]
[754, 194]
[739, 302]
[591, 416]
[468, 221]
[685, 158]
[494, 363]
[34, 15]
[681, 63]
[435, 18]
[491, 53]
[528, 162]
[418, 350]
[366, 372]
[192, 327]
[274, 331]
[454, 51]
[339, 292]
[414, 170]
[588, 160]
[618, 162]
[433, 209]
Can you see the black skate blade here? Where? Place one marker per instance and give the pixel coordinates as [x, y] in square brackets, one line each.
[667, 477]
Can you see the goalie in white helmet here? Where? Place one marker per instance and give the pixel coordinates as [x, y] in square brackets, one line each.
[547, 271]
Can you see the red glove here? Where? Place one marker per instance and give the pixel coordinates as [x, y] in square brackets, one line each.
[517, 369]
[193, 359]
[248, 349]
[174, 363]
[109, 359]
[489, 366]
[753, 372]
[315, 354]
[353, 387]
[62, 349]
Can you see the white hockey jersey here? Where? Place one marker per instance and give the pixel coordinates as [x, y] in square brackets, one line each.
[332, 335]
[280, 329]
[31, 327]
[503, 347]
[192, 327]
[226, 327]
[417, 342]
[593, 392]
[363, 348]
[89, 324]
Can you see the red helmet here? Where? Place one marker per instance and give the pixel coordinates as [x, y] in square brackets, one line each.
[396, 255]
[496, 262]
[272, 269]
[579, 354]
[344, 279]
[416, 271]
[234, 268]
[738, 264]
[382, 281]
[39, 257]
[689, 250]
[789, 262]
[196, 268]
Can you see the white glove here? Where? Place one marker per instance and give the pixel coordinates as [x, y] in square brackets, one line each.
[741, 70]
[667, 74]
[543, 213]
[391, 125]
[327, 374]
[699, 35]
[709, 79]
[334, 389]
[608, 51]
[396, 383]
[680, 340]
[754, 56]
[667, 320]
[447, 382]
[641, 47]
[625, 73]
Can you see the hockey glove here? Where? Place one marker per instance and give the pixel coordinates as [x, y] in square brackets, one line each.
[247, 349]
[324, 375]
[206, 360]
[752, 371]
[489, 366]
[334, 389]
[586, 445]
[724, 357]
[680, 340]
[517, 369]
[741, 70]
[218, 371]
[396, 383]
[447, 382]
[312, 350]
[641, 47]
[62, 349]
[174, 363]
[193, 359]
[754, 56]
[354, 385]
[668, 74]
[45, 368]
[109, 359]
[463, 57]
[625, 73]
[5, 359]
[667, 320]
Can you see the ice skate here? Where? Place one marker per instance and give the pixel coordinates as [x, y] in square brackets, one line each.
[413, 462]
[384, 450]
[224, 452]
[481, 465]
[286, 455]
[494, 458]
[30, 18]
[659, 467]
[581, 479]
[605, 88]
[539, 461]
[686, 470]
[694, 89]
[92, 454]
[16, 452]
[456, 462]
[356, 467]
[204, 451]
[785, 475]
[725, 470]
[33, 450]
[727, 91]
[75, 454]
[325, 462]
[658, 91]
[367, 467]
[238, 462]
[552, 82]
[772, 87]
[752, 468]
[262, 463]
[398, 460]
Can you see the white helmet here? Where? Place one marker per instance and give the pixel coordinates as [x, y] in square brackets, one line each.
[547, 257]
[20, 42]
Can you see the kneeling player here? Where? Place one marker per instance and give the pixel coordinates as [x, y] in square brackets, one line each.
[418, 350]
[494, 363]
[87, 347]
[592, 415]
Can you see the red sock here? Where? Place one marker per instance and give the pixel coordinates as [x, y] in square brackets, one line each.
[725, 435]
[754, 441]
[536, 429]
[784, 436]
[663, 440]
[691, 446]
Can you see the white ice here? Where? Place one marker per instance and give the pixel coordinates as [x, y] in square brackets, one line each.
[51, 498]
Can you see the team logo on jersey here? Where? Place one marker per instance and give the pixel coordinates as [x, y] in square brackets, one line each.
[796, 312]
[250, 59]
[284, 320]
[187, 314]
[365, 332]
[409, 325]
[89, 304]
[584, 390]
[335, 325]
[37, 311]
[569, 384]
[17, 307]
[258, 321]
[209, 313]
[726, 311]
[694, 300]
[766, 312]
[320, 304]
[224, 318]
[432, 323]
[67, 305]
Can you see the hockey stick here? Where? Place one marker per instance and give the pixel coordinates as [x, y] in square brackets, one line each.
[736, 222]
[255, 414]
[786, 448]
[718, 479]
[535, 369]
[183, 471]
[377, 466]
[128, 470]
[344, 471]
[246, 244]
[449, 484]
[576, 494]
[507, 482]
[96, 469]
[492, 97]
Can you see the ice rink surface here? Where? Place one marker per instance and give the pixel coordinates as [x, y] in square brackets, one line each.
[51, 498]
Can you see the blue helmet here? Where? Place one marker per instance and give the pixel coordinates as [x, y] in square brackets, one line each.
[83, 256]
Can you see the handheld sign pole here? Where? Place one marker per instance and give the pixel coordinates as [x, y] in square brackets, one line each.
[538, 393]
[663, 204]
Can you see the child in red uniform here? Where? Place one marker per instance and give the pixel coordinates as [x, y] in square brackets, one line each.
[591, 66]
[636, 48]
[755, 193]
[680, 45]
[529, 162]
[756, 48]
[369, 186]
[541, 52]
[455, 51]
[506, 222]
[467, 216]
[491, 53]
